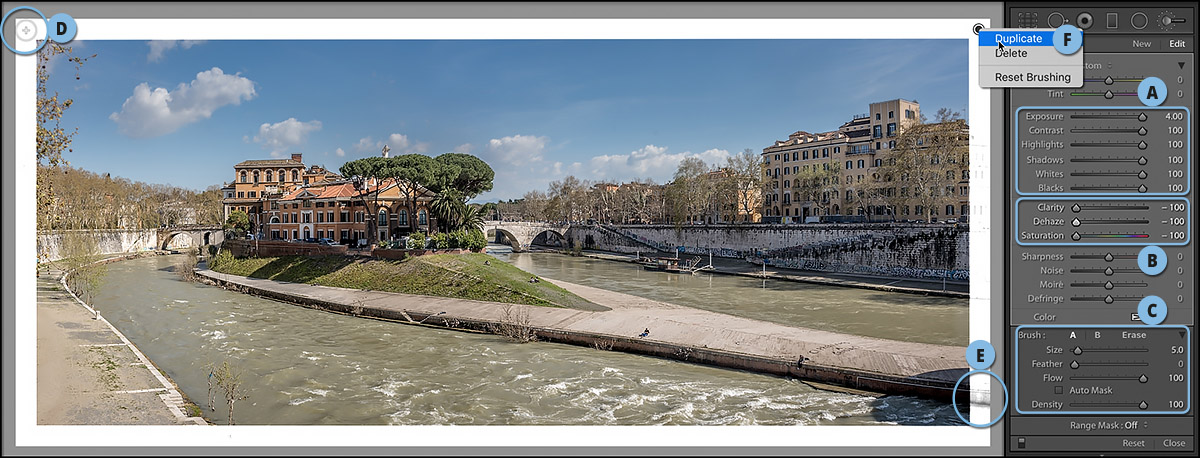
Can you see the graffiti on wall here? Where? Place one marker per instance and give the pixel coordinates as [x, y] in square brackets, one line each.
[889, 271]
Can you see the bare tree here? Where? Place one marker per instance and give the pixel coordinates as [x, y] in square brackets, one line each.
[690, 190]
[229, 380]
[746, 173]
[516, 325]
[927, 162]
[818, 183]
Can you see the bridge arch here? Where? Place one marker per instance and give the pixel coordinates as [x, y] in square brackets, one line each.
[562, 237]
[516, 243]
[166, 241]
[521, 233]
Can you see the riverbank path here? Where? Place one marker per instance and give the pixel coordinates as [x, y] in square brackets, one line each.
[88, 373]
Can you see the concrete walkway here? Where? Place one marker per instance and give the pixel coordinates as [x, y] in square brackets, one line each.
[683, 330]
[88, 373]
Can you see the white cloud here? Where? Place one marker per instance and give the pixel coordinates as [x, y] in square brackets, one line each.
[517, 149]
[159, 47]
[649, 161]
[364, 144]
[464, 148]
[284, 135]
[396, 143]
[340, 152]
[154, 112]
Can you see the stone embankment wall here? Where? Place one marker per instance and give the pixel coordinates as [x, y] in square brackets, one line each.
[241, 248]
[107, 242]
[898, 250]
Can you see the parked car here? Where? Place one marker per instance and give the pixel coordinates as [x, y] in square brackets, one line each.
[329, 242]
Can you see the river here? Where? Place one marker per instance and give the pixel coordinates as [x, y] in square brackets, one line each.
[864, 312]
[304, 367]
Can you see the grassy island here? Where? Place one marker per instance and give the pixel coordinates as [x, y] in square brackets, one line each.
[467, 276]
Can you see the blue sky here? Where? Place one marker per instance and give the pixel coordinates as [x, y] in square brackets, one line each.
[183, 113]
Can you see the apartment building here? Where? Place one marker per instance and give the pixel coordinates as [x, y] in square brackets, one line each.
[836, 175]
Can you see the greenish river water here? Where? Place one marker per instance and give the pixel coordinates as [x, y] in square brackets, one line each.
[303, 366]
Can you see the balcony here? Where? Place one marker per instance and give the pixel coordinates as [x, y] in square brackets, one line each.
[853, 152]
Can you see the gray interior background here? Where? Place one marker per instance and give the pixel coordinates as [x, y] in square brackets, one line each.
[992, 10]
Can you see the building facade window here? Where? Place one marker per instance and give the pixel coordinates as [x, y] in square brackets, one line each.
[891, 129]
[256, 176]
[281, 177]
[243, 176]
[402, 218]
[295, 175]
[241, 194]
[422, 218]
[849, 165]
[876, 131]
[269, 176]
[860, 163]
[383, 216]
[320, 217]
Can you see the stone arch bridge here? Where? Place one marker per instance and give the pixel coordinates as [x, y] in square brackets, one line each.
[189, 236]
[521, 233]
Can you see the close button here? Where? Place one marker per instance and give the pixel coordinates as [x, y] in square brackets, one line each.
[1175, 443]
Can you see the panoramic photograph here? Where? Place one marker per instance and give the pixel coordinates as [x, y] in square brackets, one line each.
[502, 232]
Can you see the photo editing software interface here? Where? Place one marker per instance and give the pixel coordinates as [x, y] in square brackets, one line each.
[901, 228]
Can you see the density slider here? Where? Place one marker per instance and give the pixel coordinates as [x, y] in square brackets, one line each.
[1140, 116]
[1142, 406]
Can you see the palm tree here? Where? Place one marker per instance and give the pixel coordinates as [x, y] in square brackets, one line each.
[472, 218]
[446, 207]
